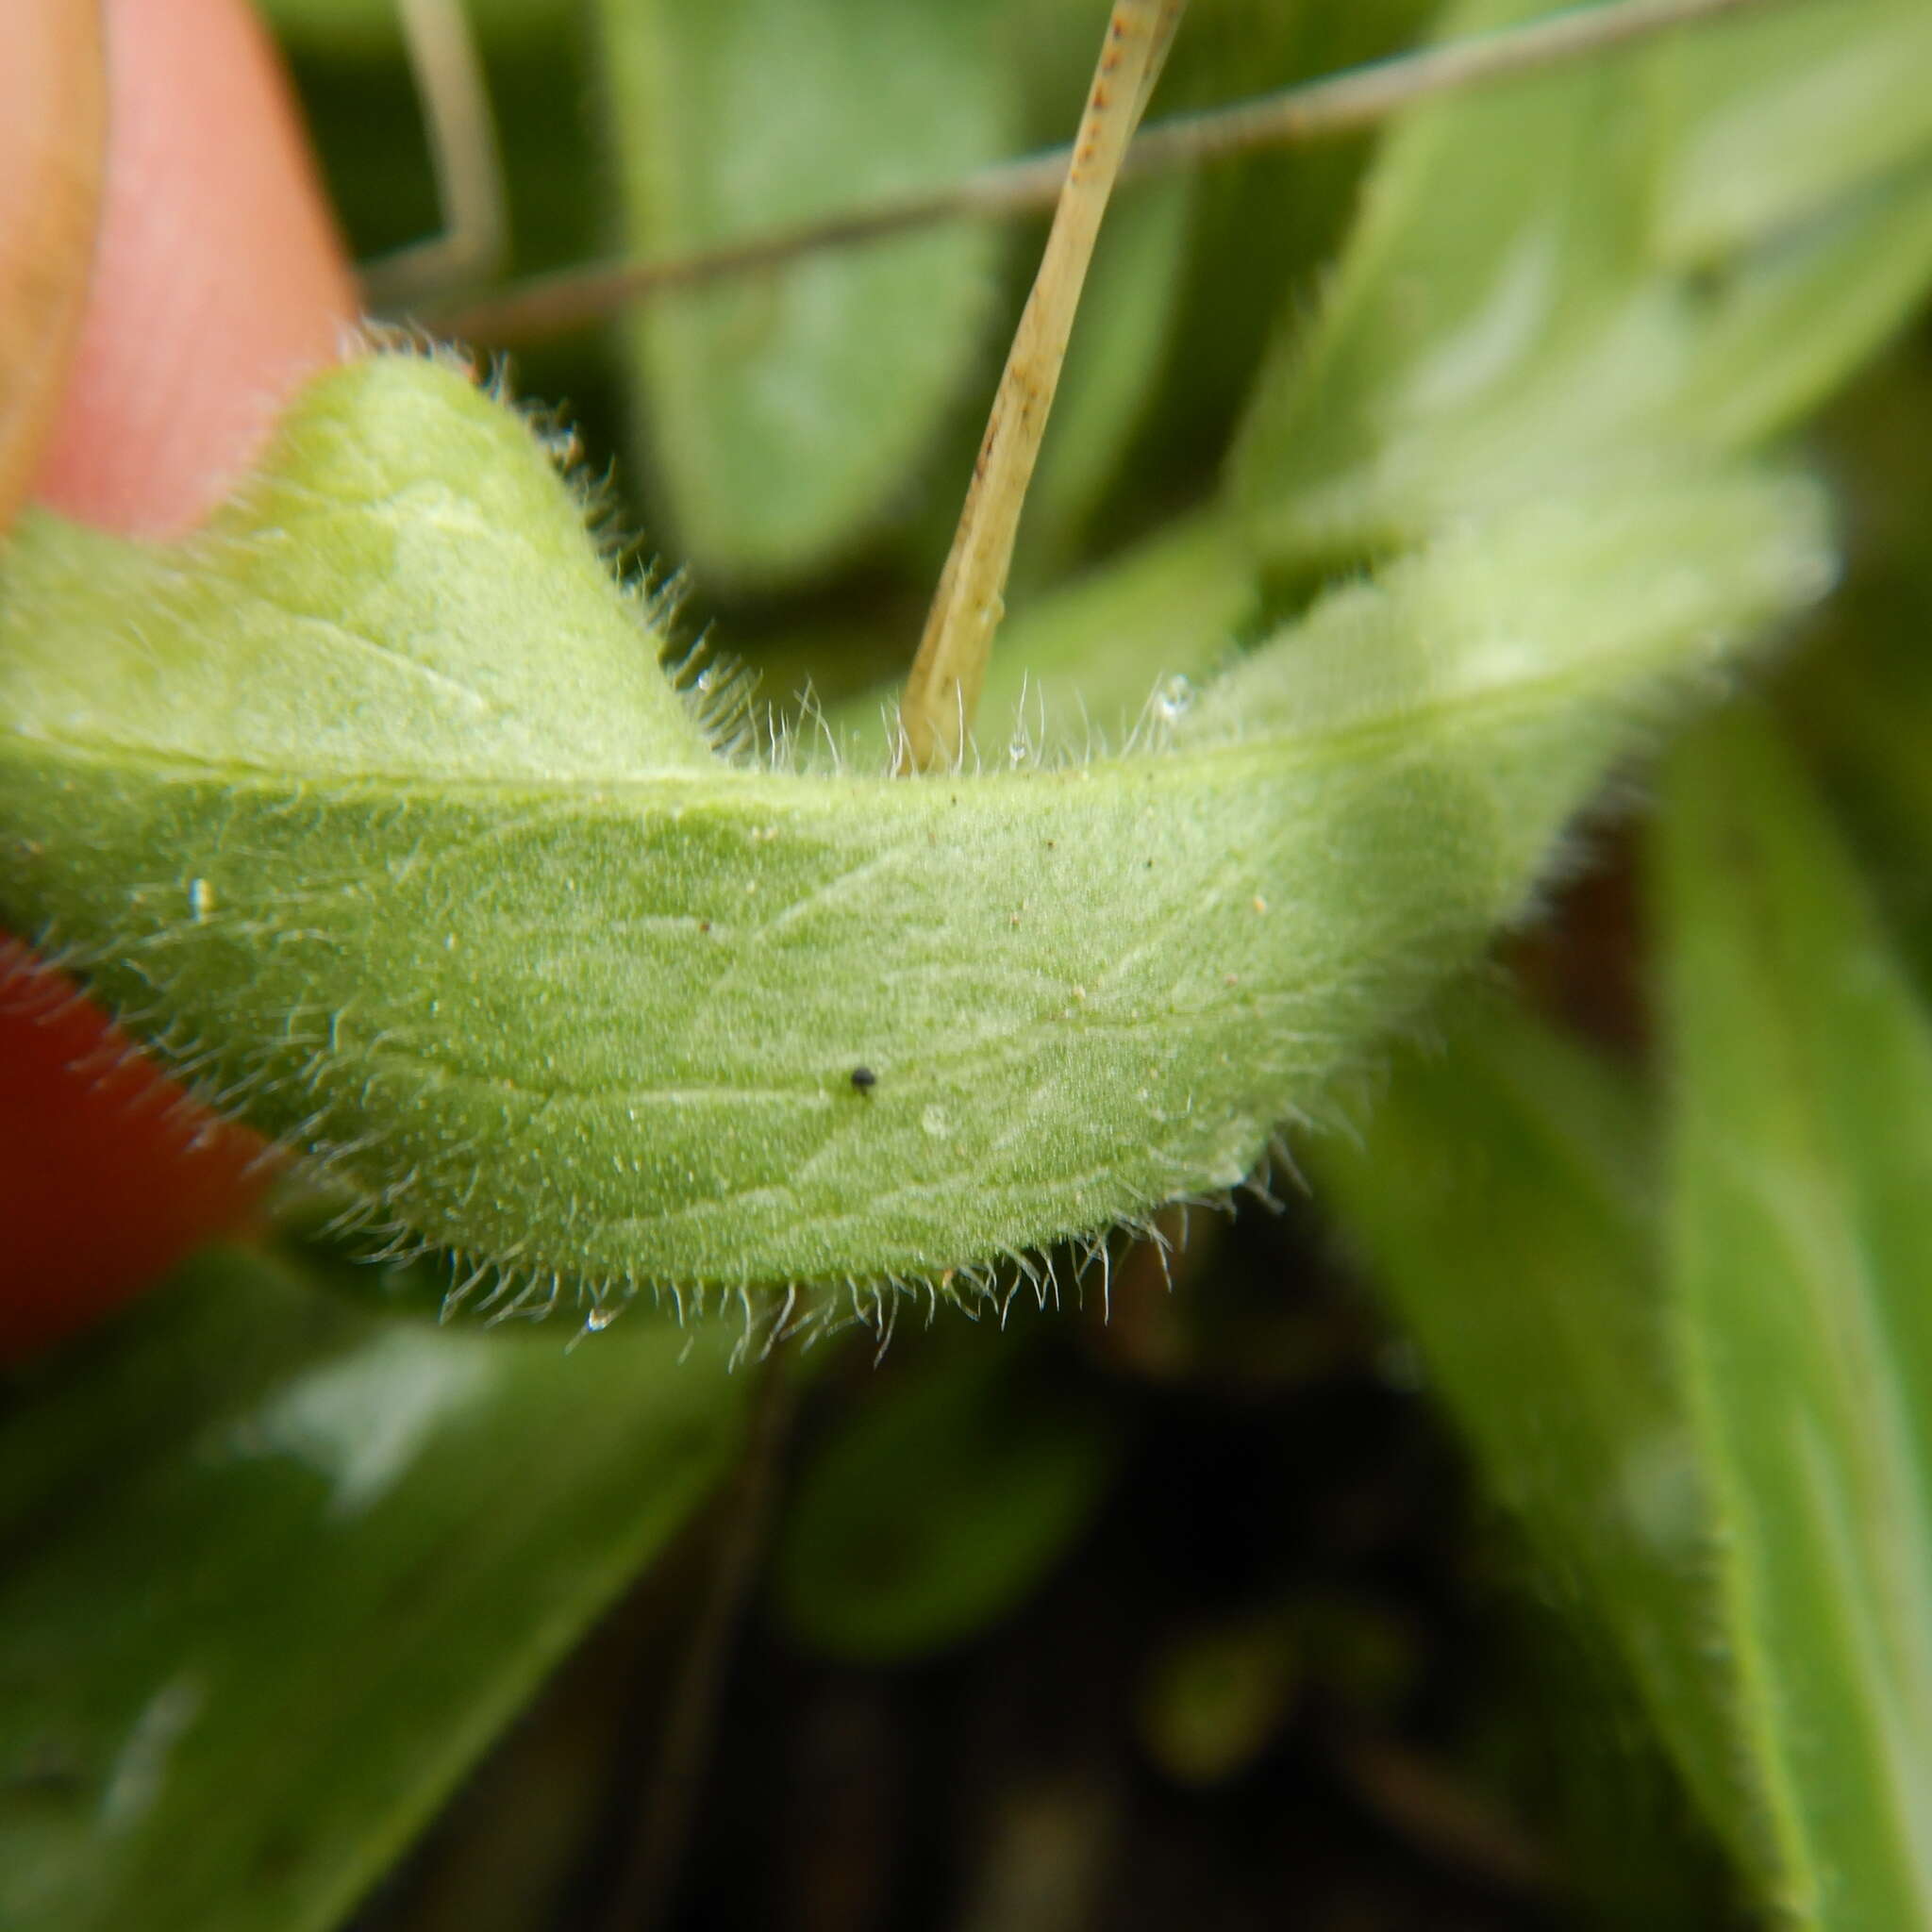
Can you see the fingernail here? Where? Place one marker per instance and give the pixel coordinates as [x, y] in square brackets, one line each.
[53, 137]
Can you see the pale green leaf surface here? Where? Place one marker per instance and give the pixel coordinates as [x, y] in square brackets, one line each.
[1859, 699]
[1192, 269]
[1264, 230]
[1802, 1250]
[599, 1020]
[784, 411]
[279, 1566]
[1514, 310]
[1502, 1195]
[937, 1506]
[1862, 706]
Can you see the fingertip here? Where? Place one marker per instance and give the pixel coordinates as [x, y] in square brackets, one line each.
[218, 284]
[113, 1174]
[220, 281]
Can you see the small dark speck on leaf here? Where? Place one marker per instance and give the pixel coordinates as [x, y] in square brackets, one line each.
[704, 925]
[864, 1079]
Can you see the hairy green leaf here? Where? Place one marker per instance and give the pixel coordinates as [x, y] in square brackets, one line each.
[784, 410]
[1264, 228]
[1530, 294]
[279, 1568]
[370, 809]
[1802, 1251]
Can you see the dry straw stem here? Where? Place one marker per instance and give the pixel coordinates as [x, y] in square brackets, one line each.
[1341, 104]
[943, 692]
[465, 155]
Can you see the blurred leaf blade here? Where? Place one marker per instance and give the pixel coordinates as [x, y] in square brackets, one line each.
[1509, 311]
[1802, 1247]
[1764, 128]
[1264, 230]
[941, 1501]
[279, 1568]
[1502, 1195]
[783, 411]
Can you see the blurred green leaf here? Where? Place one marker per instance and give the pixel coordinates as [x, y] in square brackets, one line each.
[1858, 700]
[277, 1570]
[1193, 271]
[1214, 1696]
[784, 411]
[1503, 1197]
[1802, 1248]
[941, 1501]
[1514, 306]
